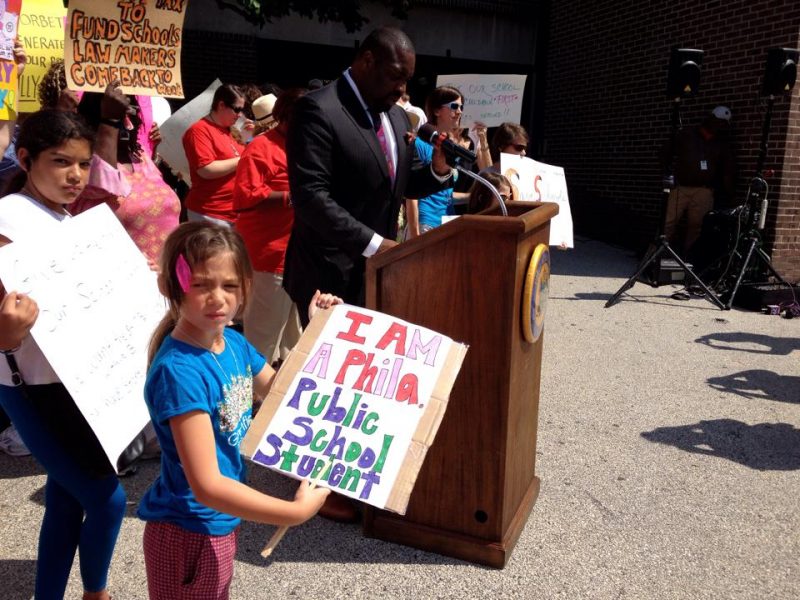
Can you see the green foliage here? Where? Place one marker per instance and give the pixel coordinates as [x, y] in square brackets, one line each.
[346, 12]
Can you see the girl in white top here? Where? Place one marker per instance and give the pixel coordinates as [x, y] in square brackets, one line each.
[84, 502]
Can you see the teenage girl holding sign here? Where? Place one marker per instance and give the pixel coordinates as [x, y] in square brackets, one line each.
[84, 502]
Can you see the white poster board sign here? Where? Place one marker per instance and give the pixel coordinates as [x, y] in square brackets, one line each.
[98, 306]
[172, 130]
[357, 403]
[489, 99]
[539, 182]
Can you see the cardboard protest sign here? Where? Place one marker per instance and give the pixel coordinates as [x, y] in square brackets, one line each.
[9, 18]
[539, 182]
[41, 30]
[171, 146]
[365, 388]
[135, 41]
[489, 99]
[98, 306]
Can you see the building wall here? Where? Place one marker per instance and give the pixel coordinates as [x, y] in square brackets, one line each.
[606, 111]
[435, 31]
[293, 50]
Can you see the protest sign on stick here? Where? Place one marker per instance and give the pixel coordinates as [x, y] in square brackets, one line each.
[539, 182]
[488, 99]
[365, 388]
[134, 41]
[41, 30]
[98, 306]
[8, 66]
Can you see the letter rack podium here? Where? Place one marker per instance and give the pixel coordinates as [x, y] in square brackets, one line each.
[465, 279]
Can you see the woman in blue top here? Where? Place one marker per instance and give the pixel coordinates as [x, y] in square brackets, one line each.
[443, 106]
[199, 391]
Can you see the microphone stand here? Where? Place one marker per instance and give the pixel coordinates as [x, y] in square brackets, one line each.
[757, 202]
[480, 179]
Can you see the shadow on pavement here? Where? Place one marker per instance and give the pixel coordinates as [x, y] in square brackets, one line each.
[12, 467]
[759, 384]
[18, 578]
[591, 258]
[320, 540]
[765, 446]
[750, 342]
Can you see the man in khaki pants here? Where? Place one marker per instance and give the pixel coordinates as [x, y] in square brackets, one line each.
[703, 165]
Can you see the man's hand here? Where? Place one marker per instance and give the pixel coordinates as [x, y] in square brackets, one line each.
[385, 245]
[114, 104]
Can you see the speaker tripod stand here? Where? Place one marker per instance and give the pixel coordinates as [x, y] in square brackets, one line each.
[661, 246]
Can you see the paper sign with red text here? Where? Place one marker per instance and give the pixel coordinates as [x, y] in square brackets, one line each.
[539, 182]
[488, 99]
[368, 390]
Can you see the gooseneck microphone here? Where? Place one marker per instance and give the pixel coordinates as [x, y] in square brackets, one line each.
[456, 155]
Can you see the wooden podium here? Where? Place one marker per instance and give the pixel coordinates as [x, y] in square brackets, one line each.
[465, 279]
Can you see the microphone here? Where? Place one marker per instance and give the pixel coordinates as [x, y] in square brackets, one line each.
[455, 154]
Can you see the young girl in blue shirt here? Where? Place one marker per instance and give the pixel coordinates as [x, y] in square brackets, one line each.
[200, 388]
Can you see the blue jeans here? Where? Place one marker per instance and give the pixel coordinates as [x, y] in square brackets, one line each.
[80, 512]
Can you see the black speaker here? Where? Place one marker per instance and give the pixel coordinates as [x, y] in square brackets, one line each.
[684, 72]
[780, 72]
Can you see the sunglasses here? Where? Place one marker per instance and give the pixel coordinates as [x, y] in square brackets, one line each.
[519, 147]
[453, 106]
[237, 109]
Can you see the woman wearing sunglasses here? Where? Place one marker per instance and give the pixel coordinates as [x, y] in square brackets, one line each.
[443, 107]
[213, 154]
[509, 138]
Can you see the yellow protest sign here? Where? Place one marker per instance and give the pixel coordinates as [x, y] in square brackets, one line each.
[135, 41]
[41, 31]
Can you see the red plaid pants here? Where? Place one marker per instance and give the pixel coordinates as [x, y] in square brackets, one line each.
[183, 565]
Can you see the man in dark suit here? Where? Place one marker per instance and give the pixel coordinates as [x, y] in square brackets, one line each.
[350, 165]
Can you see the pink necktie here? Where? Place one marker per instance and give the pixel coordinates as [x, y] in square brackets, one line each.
[387, 152]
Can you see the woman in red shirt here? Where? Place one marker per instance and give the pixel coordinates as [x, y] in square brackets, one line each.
[213, 154]
[265, 217]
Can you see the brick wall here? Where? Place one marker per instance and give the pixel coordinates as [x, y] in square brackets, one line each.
[208, 55]
[606, 111]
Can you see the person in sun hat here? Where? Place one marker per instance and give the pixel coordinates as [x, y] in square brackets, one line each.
[262, 113]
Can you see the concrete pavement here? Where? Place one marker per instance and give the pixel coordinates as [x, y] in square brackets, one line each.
[669, 450]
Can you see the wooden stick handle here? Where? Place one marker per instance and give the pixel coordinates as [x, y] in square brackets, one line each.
[281, 531]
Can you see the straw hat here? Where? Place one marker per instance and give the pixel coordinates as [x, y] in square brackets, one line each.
[262, 110]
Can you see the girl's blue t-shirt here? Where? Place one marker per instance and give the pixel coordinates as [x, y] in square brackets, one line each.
[432, 208]
[184, 378]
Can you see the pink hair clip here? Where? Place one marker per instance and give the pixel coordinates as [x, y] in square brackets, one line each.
[183, 273]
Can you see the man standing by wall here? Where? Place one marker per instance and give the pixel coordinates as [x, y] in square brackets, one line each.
[703, 167]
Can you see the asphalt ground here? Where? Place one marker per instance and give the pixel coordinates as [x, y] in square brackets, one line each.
[668, 452]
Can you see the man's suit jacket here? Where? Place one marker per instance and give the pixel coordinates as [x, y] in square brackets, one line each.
[341, 191]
